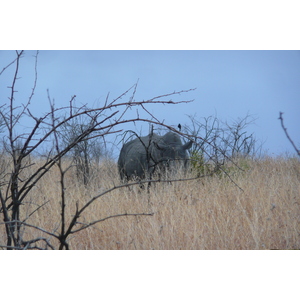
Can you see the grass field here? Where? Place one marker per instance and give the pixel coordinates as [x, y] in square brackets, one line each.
[260, 210]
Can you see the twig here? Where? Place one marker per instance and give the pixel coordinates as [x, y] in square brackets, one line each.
[286, 133]
[106, 218]
[8, 65]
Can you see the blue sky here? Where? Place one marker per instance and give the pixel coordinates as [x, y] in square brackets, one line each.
[229, 84]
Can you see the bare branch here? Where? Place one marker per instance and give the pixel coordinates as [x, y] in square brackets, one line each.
[85, 226]
[6, 67]
[286, 133]
[32, 226]
[39, 207]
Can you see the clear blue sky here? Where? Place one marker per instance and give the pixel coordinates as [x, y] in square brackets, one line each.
[229, 84]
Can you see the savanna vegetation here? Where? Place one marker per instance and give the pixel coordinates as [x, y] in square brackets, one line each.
[57, 191]
[260, 210]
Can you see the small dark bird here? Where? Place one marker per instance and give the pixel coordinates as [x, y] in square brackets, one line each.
[179, 127]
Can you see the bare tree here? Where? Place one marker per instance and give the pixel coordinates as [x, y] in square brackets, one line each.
[87, 153]
[217, 142]
[239, 142]
[20, 176]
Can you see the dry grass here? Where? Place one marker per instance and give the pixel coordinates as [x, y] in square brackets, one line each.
[209, 213]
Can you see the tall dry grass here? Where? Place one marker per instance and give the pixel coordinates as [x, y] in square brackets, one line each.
[209, 213]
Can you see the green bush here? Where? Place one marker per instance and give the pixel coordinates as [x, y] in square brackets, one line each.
[198, 163]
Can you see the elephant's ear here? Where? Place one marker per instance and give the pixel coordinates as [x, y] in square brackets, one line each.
[187, 145]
